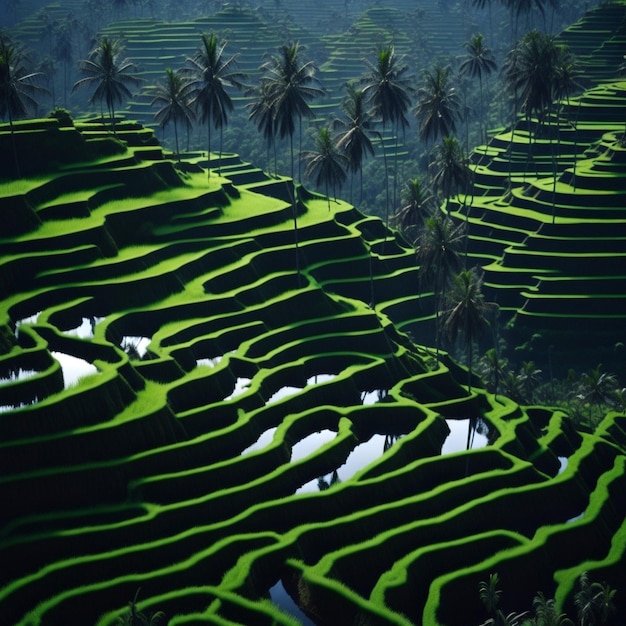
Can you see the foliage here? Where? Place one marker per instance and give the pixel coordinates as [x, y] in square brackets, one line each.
[173, 97]
[593, 601]
[138, 618]
[324, 164]
[289, 85]
[18, 86]
[438, 104]
[355, 126]
[452, 173]
[210, 75]
[417, 205]
[109, 74]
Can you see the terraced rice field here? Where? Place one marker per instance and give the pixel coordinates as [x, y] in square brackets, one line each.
[178, 403]
[547, 207]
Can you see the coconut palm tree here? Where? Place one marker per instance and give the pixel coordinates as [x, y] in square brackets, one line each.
[109, 74]
[479, 62]
[438, 105]
[530, 378]
[565, 83]
[354, 128]
[173, 98]
[492, 370]
[417, 206]
[530, 70]
[452, 174]
[291, 85]
[596, 387]
[387, 88]
[438, 255]
[210, 76]
[18, 87]
[530, 73]
[324, 164]
[466, 317]
[261, 112]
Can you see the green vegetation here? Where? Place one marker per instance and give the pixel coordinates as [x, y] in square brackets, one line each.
[260, 421]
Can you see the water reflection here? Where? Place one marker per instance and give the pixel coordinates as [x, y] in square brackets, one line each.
[135, 346]
[241, 385]
[262, 442]
[73, 368]
[16, 375]
[371, 397]
[86, 328]
[283, 600]
[456, 441]
[309, 444]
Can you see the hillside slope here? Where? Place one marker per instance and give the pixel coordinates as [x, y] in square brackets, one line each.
[185, 414]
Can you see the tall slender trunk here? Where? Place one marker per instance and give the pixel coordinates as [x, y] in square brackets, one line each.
[208, 152]
[176, 140]
[15, 155]
[382, 144]
[294, 210]
[395, 170]
[482, 112]
[219, 161]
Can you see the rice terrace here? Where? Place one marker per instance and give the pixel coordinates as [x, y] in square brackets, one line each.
[313, 312]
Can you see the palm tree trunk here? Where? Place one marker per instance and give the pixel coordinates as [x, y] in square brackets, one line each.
[15, 155]
[219, 161]
[294, 209]
[482, 111]
[382, 143]
[208, 152]
[176, 139]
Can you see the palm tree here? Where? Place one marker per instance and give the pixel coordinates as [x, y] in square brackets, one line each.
[530, 73]
[438, 255]
[172, 96]
[291, 85]
[594, 601]
[354, 129]
[492, 370]
[438, 105]
[210, 76]
[109, 74]
[451, 171]
[417, 206]
[387, 88]
[465, 317]
[261, 111]
[530, 70]
[325, 165]
[565, 82]
[18, 87]
[530, 378]
[596, 387]
[480, 61]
